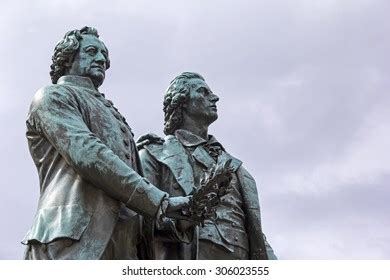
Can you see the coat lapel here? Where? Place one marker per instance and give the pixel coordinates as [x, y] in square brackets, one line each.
[203, 157]
[174, 156]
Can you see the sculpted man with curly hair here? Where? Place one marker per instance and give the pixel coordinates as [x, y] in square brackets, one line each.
[177, 165]
[91, 184]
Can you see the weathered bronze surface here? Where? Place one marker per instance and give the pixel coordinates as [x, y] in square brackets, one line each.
[177, 165]
[89, 170]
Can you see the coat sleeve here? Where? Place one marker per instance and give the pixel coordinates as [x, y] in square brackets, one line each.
[249, 194]
[259, 246]
[57, 116]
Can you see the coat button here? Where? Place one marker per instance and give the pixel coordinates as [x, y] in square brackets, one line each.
[117, 116]
[127, 155]
[209, 235]
[68, 242]
[140, 190]
[126, 142]
[123, 129]
[107, 104]
[235, 238]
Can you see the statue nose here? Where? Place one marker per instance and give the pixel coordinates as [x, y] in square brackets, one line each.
[100, 58]
[214, 98]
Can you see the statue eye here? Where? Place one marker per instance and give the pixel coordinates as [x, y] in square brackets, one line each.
[203, 90]
[91, 50]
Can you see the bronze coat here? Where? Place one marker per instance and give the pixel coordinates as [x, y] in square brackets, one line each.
[168, 166]
[85, 156]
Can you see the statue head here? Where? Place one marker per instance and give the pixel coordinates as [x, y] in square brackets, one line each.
[80, 53]
[188, 96]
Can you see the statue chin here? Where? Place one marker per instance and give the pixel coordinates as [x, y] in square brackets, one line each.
[97, 80]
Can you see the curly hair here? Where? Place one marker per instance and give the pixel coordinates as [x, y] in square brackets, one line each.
[66, 49]
[175, 97]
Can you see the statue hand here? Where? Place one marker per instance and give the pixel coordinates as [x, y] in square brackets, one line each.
[175, 207]
[147, 139]
[177, 203]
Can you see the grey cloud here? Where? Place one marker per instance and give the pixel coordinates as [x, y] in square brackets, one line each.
[353, 220]
[303, 82]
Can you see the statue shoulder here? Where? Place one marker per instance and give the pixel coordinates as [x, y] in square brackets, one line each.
[50, 94]
[157, 147]
[149, 140]
[244, 173]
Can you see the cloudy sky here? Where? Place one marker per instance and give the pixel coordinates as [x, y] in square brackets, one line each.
[304, 103]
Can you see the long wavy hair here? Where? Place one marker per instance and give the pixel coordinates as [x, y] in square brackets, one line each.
[66, 49]
[175, 97]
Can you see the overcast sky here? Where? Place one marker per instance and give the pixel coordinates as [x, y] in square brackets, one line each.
[304, 103]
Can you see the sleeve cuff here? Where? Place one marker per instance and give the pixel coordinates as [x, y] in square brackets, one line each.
[146, 199]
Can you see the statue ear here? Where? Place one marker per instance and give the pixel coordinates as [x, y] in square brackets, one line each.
[69, 62]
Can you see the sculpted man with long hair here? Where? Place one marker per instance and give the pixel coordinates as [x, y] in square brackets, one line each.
[178, 163]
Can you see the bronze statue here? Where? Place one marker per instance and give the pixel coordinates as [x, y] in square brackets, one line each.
[89, 170]
[178, 163]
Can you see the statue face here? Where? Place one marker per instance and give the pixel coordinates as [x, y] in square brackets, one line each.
[91, 59]
[201, 105]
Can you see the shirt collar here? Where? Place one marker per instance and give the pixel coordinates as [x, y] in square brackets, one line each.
[78, 81]
[189, 139]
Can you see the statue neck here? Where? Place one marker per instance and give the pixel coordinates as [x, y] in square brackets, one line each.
[196, 127]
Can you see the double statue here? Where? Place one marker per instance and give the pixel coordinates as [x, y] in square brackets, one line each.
[104, 196]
